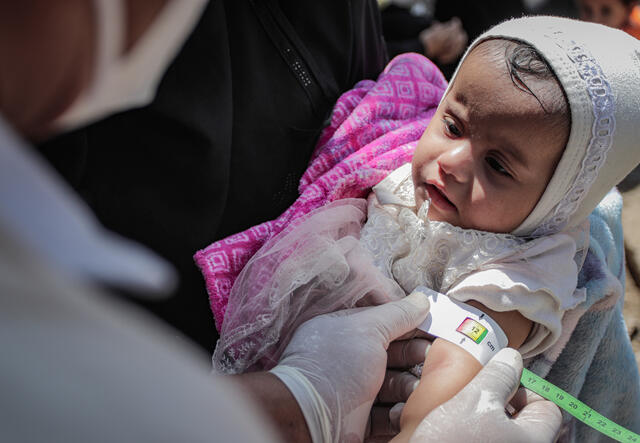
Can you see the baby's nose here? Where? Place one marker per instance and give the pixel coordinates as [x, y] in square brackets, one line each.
[457, 162]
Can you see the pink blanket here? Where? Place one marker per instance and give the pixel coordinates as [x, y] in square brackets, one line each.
[374, 129]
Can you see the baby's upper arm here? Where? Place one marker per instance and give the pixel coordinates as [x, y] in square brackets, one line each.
[516, 326]
[449, 367]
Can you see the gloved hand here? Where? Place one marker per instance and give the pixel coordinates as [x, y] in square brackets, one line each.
[477, 413]
[401, 379]
[335, 364]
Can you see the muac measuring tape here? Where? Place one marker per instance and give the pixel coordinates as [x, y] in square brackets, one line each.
[576, 408]
[475, 332]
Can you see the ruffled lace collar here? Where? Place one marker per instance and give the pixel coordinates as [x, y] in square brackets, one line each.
[414, 250]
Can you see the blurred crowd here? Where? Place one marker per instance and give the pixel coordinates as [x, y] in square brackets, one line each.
[441, 30]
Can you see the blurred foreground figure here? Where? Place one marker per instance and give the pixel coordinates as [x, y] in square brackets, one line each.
[79, 365]
[224, 144]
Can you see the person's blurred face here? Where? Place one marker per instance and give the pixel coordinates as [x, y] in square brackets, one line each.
[613, 13]
[46, 59]
[490, 149]
[47, 53]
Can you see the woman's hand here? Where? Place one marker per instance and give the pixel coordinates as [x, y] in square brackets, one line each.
[335, 364]
[404, 354]
[477, 413]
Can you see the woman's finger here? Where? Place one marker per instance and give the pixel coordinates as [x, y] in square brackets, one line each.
[416, 333]
[384, 424]
[523, 397]
[397, 386]
[406, 354]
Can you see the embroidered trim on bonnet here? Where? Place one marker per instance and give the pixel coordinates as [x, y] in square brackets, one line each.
[601, 132]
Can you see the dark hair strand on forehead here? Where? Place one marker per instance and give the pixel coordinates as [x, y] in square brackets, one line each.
[524, 60]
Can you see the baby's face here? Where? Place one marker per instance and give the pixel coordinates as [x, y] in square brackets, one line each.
[489, 151]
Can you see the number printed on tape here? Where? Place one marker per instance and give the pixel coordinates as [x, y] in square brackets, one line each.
[576, 408]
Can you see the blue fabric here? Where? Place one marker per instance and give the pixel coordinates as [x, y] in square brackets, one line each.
[598, 365]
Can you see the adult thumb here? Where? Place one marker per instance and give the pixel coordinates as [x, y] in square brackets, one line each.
[398, 317]
[501, 376]
[540, 418]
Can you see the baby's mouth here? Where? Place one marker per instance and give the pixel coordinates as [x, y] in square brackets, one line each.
[439, 199]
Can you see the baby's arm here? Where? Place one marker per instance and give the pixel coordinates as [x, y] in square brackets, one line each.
[448, 368]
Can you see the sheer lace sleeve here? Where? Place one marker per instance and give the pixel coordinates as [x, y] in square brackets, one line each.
[314, 267]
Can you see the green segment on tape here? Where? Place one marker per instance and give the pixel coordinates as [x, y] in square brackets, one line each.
[576, 408]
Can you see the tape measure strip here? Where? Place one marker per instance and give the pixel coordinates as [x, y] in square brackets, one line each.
[576, 408]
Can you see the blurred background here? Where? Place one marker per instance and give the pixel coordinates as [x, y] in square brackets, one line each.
[441, 30]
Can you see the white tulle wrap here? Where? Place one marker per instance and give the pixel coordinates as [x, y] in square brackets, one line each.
[316, 266]
[333, 260]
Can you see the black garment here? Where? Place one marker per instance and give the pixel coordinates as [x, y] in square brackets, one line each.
[563, 8]
[476, 17]
[401, 30]
[228, 136]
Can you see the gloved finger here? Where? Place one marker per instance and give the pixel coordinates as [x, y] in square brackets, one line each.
[405, 354]
[378, 439]
[416, 333]
[397, 386]
[380, 426]
[523, 397]
[396, 318]
[394, 416]
[541, 418]
[346, 312]
[501, 376]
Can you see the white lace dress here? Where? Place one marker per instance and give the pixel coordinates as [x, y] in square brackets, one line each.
[333, 260]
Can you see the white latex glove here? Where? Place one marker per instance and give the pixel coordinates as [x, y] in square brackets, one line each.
[335, 364]
[477, 413]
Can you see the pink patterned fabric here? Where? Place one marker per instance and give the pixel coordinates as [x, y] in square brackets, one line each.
[374, 129]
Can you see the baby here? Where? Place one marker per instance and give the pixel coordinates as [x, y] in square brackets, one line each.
[484, 162]
[537, 125]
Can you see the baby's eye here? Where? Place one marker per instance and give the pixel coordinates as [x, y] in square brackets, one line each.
[496, 166]
[451, 127]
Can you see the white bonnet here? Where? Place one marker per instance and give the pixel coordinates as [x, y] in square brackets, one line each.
[599, 69]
